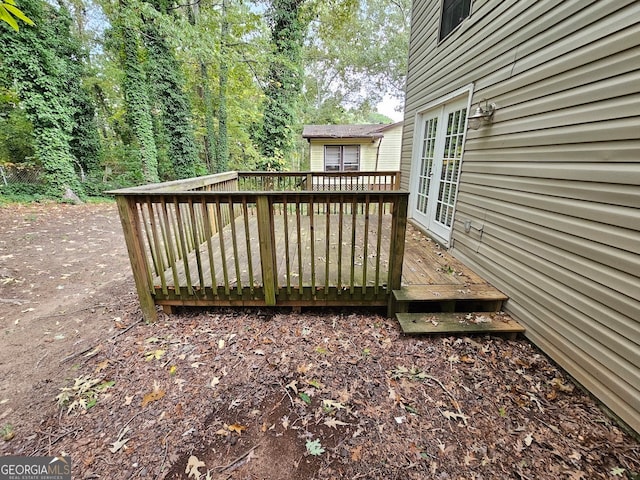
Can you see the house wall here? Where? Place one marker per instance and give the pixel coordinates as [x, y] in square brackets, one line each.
[387, 158]
[551, 186]
[390, 148]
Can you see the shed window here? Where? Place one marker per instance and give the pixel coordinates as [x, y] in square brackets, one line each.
[453, 13]
[341, 158]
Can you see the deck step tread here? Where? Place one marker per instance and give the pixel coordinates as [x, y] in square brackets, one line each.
[438, 323]
[435, 293]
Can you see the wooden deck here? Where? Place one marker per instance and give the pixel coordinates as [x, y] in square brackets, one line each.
[282, 239]
[425, 263]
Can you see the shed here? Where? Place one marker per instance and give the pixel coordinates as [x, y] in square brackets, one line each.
[370, 147]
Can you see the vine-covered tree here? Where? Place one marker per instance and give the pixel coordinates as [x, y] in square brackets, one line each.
[136, 98]
[288, 24]
[43, 64]
[167, 86]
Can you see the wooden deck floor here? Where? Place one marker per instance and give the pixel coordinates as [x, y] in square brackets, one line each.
[425, 262]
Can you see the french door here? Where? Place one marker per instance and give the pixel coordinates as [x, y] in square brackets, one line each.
[436, 166]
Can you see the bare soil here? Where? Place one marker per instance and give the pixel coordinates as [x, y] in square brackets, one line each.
[264, 394]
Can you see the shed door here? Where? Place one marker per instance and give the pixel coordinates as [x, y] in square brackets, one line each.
[436, 169]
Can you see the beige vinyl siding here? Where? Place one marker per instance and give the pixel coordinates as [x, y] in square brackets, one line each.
[390, 148]
[552, 186]
[368, 152]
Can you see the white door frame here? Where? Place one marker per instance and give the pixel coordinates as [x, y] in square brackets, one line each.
[436, 108]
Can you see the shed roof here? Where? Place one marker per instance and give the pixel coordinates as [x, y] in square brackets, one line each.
[347, 131]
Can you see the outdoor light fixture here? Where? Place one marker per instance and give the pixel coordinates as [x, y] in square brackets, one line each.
[483, 114]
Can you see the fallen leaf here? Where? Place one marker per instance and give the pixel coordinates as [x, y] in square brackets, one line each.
[305, 398]
[560, 385]
[333, 423]
[214, 381]
[220, 344]
[293, 385]
[259, 351]
[237, 428]
[467, 359]
[316, 384]
[192, 467]
[154, 355]
[468, 458]
[223, 432]
[152, 397]
[120, 442]
[128, 399]
[101, 366]
[302, 369]
[331, 405]
[356, 453]
[455, 416]
[617, 472]
[528, 439]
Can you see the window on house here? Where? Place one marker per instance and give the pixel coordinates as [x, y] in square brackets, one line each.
[341, 158]
[453, 13]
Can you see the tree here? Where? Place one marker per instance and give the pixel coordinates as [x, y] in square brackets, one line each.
[167, 85]
[43, 64]
[288, 24]
[136, 96]
[355, 59]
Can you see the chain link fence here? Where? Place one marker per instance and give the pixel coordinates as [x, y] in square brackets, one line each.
[27, 179]
[19, 173]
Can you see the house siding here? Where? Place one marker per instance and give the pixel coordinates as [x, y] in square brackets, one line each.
[367, 152]
[386, 157]
[551, 186]
[390, 148]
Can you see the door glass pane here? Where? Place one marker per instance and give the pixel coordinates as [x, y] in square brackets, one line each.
[450, 167]
[426, 163]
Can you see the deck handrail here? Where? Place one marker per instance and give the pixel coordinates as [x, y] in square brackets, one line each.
[281, 181]
[196, 245]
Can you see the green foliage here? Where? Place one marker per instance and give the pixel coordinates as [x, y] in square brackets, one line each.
[9, 12]
[137, 103]
[167, 87]
[356, 54]
[86, 145]
[284, 82]
[314, 447]
[44, 65]
[16, 130]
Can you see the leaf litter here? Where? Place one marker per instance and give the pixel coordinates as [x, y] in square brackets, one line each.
[289, 396]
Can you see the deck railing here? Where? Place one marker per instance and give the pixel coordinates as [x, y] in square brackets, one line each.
[266, 239]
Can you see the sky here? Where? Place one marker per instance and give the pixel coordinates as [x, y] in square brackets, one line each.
[388, 107]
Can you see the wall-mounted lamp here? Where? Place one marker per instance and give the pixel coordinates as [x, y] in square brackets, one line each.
[483, 114]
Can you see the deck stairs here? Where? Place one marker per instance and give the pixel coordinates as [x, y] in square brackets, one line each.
[452, 309]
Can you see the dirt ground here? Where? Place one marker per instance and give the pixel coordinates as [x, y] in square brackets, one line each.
[263, 394]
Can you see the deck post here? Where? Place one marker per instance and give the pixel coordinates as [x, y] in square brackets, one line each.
[267, 248]
[398, 231]
[133, 238]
